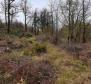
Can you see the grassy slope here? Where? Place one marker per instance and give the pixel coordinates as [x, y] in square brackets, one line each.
[69, 69]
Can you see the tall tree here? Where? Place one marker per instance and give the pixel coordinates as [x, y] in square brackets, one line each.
[5, 9]
[84, 27]
[25, 10]
[9, 8]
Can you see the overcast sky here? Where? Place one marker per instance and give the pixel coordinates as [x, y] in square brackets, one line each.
[35, 4]
[39, 4]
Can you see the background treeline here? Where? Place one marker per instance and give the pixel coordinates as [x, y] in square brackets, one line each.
[67, 21]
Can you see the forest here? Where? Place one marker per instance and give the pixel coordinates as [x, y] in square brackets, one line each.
[46, 45]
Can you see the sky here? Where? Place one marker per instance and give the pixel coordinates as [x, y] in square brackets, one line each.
[39, 4]
[35, 4]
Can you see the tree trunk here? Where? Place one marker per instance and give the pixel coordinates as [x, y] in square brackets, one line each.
[8, 30]
[25, 24]
[5, 12]
[84, 27]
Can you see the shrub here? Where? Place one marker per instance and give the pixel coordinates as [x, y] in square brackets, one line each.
[26, 52]
[32, 40]
[28, 35]
[39, 48]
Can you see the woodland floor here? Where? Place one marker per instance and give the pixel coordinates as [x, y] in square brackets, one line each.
[20, 64]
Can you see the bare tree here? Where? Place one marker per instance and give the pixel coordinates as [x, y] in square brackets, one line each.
[5, 5]
[10, 2]
[51, 7]
[35, 22]
[4, 8]
[25, 9]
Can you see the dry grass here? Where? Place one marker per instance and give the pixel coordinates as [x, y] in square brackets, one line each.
[69, 70]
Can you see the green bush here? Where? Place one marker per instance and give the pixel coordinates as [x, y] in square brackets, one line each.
[39, 48]
[26, 52]
[28, 35]
[32, 40]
